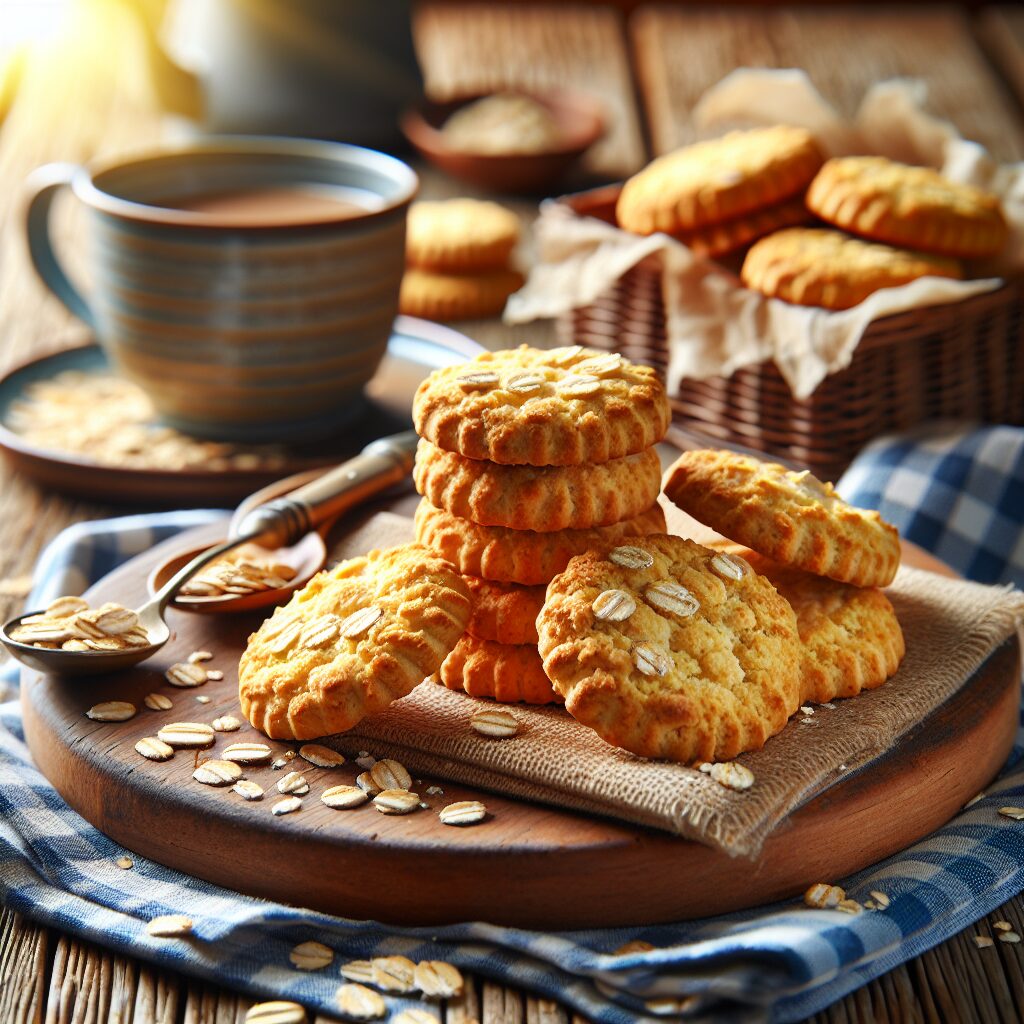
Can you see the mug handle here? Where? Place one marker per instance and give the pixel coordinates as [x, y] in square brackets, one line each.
[43, 184]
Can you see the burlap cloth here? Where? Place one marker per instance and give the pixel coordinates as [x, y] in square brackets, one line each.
[950, 627]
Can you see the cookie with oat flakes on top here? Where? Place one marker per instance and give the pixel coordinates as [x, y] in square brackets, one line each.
[671, 650]
[354, 639]
[792, 518]
[508, 673]
[527, 406]
[520, 556]
[541, 498]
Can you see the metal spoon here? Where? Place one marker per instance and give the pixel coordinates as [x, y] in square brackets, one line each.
[280, 523]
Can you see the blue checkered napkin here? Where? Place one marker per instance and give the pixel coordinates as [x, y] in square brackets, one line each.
[957, 491]
[779, 963]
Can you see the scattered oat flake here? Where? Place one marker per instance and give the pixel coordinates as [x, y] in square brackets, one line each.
[321, 756]
[651, 660]
[157, 702]
[185, 675]
[247, 753]
[415, 1016]
[311, 956]
[822, 896]
[279, 1011]
[357, 970]
[356, 624]
[111, 711]
[390, 774]
[286, 806]
[1002, 926]
[494, 722]
[705, 767]
[849, 907]
[1011, 937]
[248, 790]
[880, 898]
[732, 775]
[438, 979]
[169, 926]
[435, 791]
[293, 782]
[830, 706]
[125, 863]
[154, 749]
[197, 656]
[226, 723]
[729, 567]
[1017, 813]
[464, 812]
[361, 1002]
[613, 606]
[807, 709]
[216, 772]
[214, 675]
[982, 941]
[629, 556]
[284, 760]
[365, 783]
[808, 721]
[344, 797]
[187, 734]
[396, 801]
[394, 973]
[203, 699]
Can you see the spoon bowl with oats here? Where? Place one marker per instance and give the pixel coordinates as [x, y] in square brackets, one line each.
[273, 549]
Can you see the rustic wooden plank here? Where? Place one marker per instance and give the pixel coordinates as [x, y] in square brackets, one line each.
[501, 1005]
[1000, 31]
[480, 48]
[23, 947]
[156, 997]
[679, 53]
[464, 1008]
[544, 1011]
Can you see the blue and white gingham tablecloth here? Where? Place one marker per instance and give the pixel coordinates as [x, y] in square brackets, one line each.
[958, 493]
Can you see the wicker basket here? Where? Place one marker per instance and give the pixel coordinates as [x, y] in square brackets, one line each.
[964, 360]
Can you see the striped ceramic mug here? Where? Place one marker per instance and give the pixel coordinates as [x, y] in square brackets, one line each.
[248, 285]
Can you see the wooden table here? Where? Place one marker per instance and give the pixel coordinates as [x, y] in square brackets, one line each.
[95, 97]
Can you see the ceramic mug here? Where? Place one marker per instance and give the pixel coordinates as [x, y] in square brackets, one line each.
[248, 285]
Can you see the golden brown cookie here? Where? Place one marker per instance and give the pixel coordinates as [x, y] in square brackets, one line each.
[460, 236]
[721, 239]
[504, 613]
[520, 556]
[526, 406]
[792, 518]
[351, 641]
[851, 637]
[541, 498]
[436, 296]
[671, 650]
[508, 674]
[818, 267]
[718, 180]
[912, 207]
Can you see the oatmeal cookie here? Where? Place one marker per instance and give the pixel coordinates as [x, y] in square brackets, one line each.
[351, 641]
[504, 613]
[718, 180]
[527, 406]
[792, 518]
[851, 637]
[818, 267]
[541, 498]
[912, 207]
[671, 650]
[435, 296]
[460, 236]
[520, 556]
[509, 674]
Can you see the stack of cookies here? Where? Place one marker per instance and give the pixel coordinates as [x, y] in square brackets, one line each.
[527, 459]
[719, 196]
[674, 650]
[458, 256]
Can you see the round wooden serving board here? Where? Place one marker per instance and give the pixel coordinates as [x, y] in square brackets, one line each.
[527, 865]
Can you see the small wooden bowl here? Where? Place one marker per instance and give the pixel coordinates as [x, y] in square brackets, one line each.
[580, 119]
